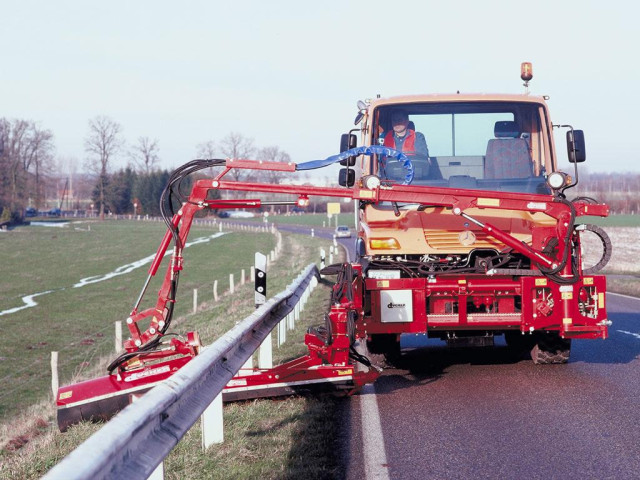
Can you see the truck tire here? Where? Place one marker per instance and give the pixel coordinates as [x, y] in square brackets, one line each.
[520, 345]
[550, 348]
[383, 350]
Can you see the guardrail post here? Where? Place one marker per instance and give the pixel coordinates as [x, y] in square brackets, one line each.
[278, 342]
[231, 287]
[215, 290]
[195, 300]
[212, 424]
[158, 473]
[118, 342]
[322, 257]
[282, 329]
[54, 374]
[260, 285]
[248, 365]
[265, 354]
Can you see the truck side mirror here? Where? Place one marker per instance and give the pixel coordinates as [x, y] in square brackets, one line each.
[347, 142]
[347, 177]
[575, 146]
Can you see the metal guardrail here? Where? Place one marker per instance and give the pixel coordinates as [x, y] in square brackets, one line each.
[137, 440]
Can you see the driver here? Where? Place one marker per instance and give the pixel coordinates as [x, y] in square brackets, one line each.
[403, 138]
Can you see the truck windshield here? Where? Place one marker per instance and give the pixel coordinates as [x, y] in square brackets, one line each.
[481, 145]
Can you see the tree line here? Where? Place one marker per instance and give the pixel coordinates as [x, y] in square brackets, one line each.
[28, 166]
[27, 152]
[618, 190]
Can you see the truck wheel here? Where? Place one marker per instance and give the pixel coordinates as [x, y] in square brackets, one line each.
[520, 345]
[383, 350]
[550, 348]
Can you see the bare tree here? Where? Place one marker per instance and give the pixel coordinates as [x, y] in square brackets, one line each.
[41, 158]
[206, 149]
[102, 143]
[145, 154]
[237, 146]
[28, 150]
[273, 154]
[13, 168]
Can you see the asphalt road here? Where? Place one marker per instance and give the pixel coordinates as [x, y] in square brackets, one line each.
[461, 414]
[480, 413]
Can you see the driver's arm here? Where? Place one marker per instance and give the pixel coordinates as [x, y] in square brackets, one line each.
[421, 145]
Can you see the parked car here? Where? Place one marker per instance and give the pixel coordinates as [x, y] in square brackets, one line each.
[342, 231]
[30, 212]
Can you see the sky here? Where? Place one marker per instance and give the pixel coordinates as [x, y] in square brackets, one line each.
[289, 73]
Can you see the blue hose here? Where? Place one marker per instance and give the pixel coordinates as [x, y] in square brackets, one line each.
[371, 150]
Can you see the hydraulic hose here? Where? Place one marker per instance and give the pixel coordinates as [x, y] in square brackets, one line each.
[606, 246]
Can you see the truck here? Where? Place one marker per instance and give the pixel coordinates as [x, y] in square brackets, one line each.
[483, 241]
[464, 234]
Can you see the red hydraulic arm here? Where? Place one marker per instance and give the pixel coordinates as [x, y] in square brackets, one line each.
[147, 361]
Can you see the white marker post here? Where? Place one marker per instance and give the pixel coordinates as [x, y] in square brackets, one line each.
[54, 375]
[118, 344]
[265, 353]
[195, 300]
[212, 424]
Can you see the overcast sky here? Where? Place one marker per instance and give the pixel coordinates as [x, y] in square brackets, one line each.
[289, 73]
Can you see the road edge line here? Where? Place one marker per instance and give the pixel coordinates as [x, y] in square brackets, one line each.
[375, 456]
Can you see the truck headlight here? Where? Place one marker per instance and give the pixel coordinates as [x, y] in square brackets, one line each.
[557, 180]
[370, 182]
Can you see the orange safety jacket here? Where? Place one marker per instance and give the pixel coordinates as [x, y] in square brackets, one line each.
[409, 144]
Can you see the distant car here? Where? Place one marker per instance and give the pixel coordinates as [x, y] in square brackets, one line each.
[54, 212]
[30, 212]
[241, 214]
[223, 214]
[342, 231]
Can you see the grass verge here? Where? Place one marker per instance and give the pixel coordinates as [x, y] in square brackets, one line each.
[311, 219]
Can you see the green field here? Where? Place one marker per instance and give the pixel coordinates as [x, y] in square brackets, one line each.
[348, 219]
[612, 220]
[78, 322]
[311, 219]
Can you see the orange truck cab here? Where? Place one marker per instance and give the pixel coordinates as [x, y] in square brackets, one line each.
[480, 240]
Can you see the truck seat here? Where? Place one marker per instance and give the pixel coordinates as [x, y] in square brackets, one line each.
[508, 155]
